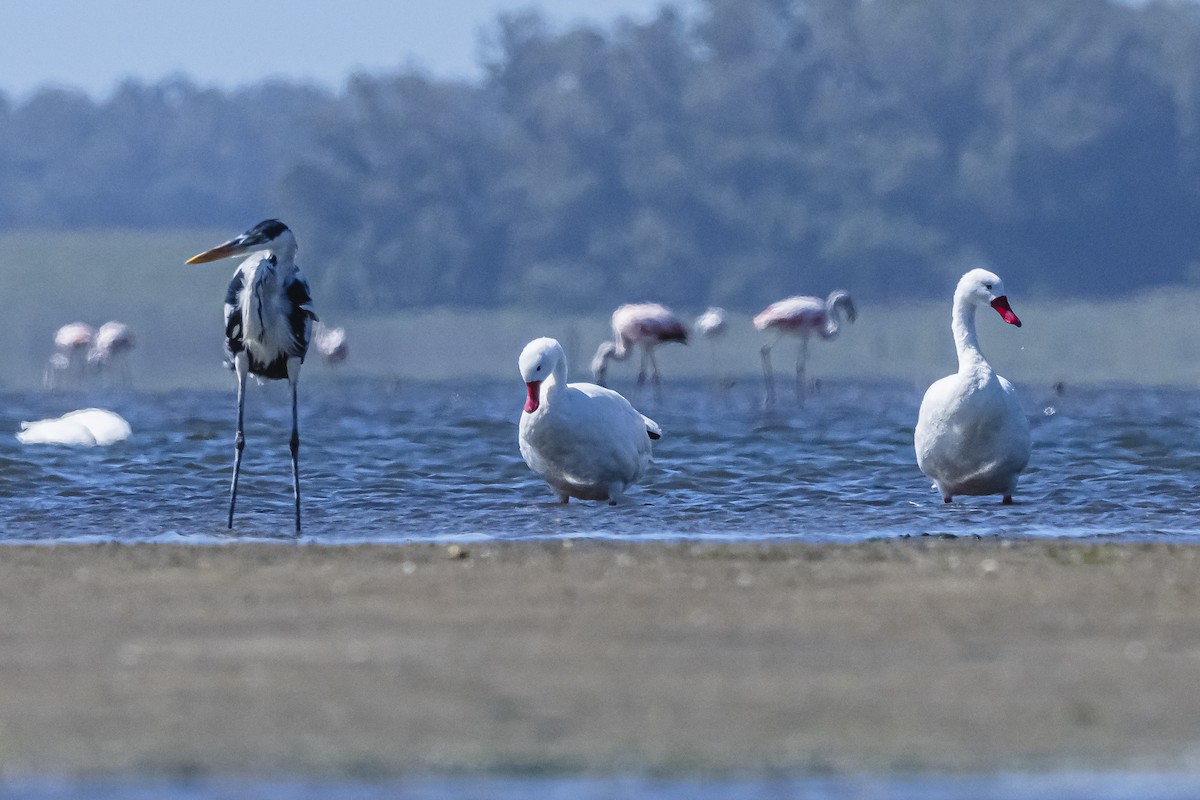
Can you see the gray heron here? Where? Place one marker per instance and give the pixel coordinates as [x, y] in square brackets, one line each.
[268, 324]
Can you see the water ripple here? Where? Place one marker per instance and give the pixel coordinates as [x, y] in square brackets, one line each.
[440, 461]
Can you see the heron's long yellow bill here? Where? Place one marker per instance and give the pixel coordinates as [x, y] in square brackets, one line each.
[220, 251]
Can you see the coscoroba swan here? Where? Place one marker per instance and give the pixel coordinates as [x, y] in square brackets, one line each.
[972, 437]
[584, 440]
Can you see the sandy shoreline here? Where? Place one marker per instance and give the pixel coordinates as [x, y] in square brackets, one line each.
[599, 658]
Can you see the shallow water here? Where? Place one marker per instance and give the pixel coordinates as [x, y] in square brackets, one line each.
[1119, 786]
[394, 462]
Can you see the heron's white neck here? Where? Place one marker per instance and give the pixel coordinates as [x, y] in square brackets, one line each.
[263, 275]
[966, 342]
[285, 252]
[284, 247]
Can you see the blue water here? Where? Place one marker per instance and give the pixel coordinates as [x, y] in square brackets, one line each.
[1119, 786]
[397, 462]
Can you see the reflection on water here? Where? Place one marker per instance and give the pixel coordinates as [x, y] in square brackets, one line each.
[387, 463]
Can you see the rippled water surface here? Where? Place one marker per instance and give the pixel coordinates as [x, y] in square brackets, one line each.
[391, 462]
[1117, 786]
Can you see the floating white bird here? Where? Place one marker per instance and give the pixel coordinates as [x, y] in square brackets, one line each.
[972, 437]
[639, 324]
[87, 427]
[802, 316]
[584, 440]
[268, 324]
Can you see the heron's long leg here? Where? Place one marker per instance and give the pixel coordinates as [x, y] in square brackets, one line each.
[295, 448]
[241, 365]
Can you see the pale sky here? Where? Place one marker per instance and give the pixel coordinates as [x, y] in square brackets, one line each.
[94, 44]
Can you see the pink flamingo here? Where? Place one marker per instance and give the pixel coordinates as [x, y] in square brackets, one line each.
[712, 325]
[330, 343]
[634, 324]
[71, 343]
[802, 316]
[110, 348]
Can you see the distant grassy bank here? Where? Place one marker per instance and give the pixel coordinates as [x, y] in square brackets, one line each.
[138, 277]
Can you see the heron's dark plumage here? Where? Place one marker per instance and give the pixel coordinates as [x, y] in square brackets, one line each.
[266, 231]
[300, 314]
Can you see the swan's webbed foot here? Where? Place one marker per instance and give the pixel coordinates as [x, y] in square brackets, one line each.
[947, 499]
[1007, 501]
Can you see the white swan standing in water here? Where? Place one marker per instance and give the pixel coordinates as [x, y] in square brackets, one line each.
[584, 440]
[972, 436]
[87, 427]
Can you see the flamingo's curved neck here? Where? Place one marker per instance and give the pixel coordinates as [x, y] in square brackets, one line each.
[833, 323]
[622, 347]
[966, 342]
[836, 304]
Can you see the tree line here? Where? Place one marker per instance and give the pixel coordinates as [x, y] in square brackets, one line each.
[735, 154]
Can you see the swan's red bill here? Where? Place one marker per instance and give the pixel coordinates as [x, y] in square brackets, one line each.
[1005, 310]
[531, 402]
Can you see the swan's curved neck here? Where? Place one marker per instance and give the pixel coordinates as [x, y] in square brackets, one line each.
[966, 342]
[557, 379]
